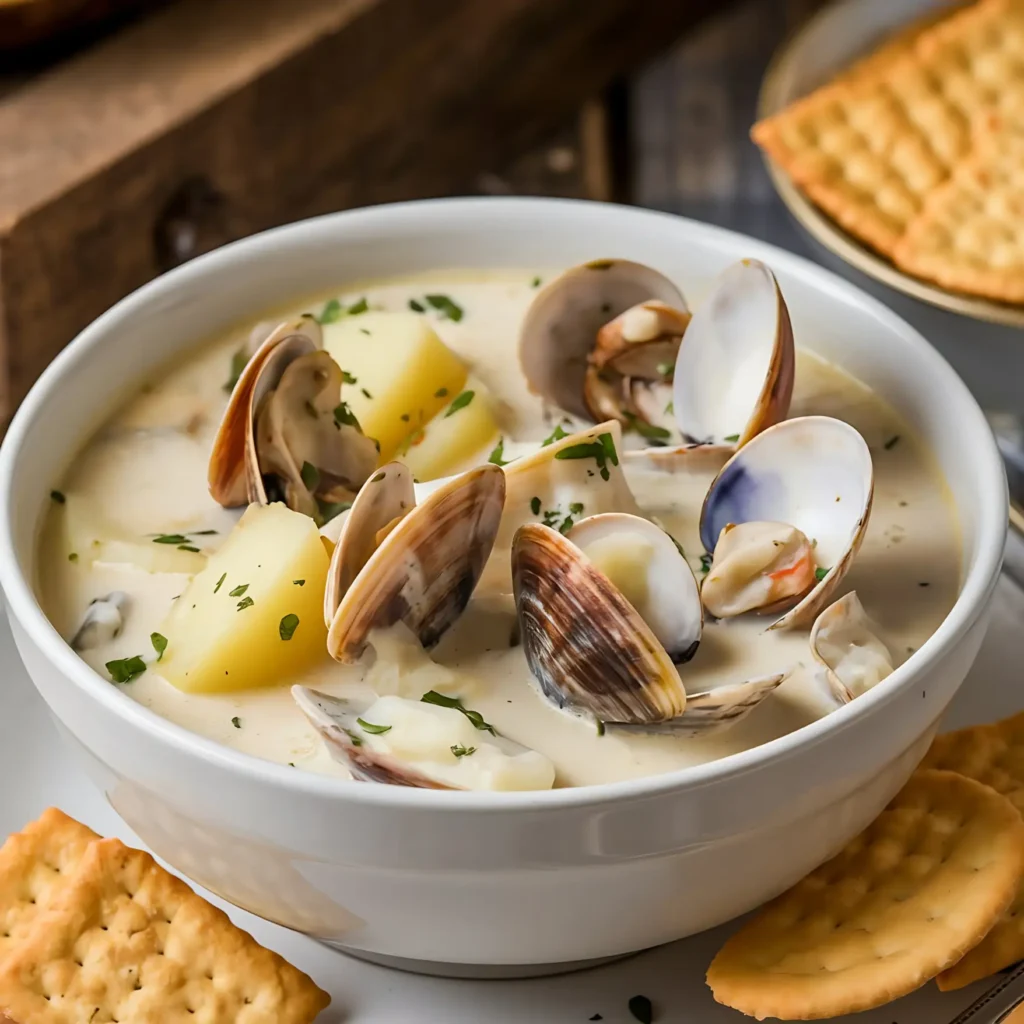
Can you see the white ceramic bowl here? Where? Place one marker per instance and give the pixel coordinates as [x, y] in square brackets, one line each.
[476, 878]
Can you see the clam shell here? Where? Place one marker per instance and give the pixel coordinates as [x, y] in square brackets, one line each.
[391, 497]
[734, 370]
[335, 720]
[814, 473]
[585, 644]
[671, 605]
[227, 470]
[844, 640]
[560, 328]
[425, 570]
[102, 622]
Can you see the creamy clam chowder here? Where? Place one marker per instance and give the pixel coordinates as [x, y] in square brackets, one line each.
[611, 630]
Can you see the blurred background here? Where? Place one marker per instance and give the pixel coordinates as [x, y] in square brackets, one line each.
[136, 134]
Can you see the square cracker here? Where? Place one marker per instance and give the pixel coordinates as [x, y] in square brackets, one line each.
[992, 754]
[969, 236]
[34, 865]
[127, 941]
[869, 150]
[901, 902]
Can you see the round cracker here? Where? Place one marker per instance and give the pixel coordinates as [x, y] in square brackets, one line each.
[901, 902]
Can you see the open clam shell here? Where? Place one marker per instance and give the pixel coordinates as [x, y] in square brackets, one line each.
[374, 510]
[560, 328]
[814, 473]
[734, 371]
[424, 570]
[227, 472]
[845, 641]
[588, 648]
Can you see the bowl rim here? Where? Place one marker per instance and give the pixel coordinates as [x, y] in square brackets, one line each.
[978, 582]
[824, 230]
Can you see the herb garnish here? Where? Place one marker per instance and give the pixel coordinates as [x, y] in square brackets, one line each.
[73, 557]
[459, 402]
[356, 740]
[246, 602]
[497, 452]
[666, 369]
[535, 506]
[239, 590]
[433, 697]
[444, 305]
[731, 438]
[462, 751]
[556, 435]
[602, 451]
[236, 722]
[238, 362]
[417, 307]
[299, 583]
[535, 283]
[892, 442]
[366, 394]
[159, 643]
[330, 509]
[670, 409]
[220, 582]
[358, 307]
[347, 378]
[600, 726]
[648, 430]
[188, 547]
[373, 730]
[441, 393]
[310, 476]
[170, 538]
[344, 416]
[331, 312]
[576, 508]
[288, 625]
[641, 1009]
[124, 670]
[820, 573]
[705, 563]
[58, 497]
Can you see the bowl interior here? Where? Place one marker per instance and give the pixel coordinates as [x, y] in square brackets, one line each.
[174, 313]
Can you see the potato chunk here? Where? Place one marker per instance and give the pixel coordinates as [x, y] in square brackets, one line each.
[403, 373]
[254, 615]
[462, 435]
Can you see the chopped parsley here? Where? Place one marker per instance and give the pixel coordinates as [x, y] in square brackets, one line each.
[444, 305]
[347, 378]
[670, 409]
[576, 508]
[373, 730]
[892, 442]
[246, 602]
[73, 557]
[124, 670]
[331, 312]
[330, 509]
[666, 369]
[556, 435]
[433, 697]
[535, 506]
[238, 361]
[705, 563]
[288, 625]
[648, 430]
[159, 643]
[535, 283]
[355, 739]
[462, 751]
[441, 393]
[417, 307]
[344, 416]
[236, 722]
[820, 573]
[58, 497]
[188, 547]
[239, 590]
[298, 583]
[459, 402]
[497, 452]
[602, 451]
[310, 476]
[202, 533]
[732, 438]
[361, 306]
[600, 726]
[641, 1009]
[170, 538]
[366, 394]
[220, 582]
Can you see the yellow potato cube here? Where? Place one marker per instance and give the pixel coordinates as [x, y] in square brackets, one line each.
[254, 615]
[403, 373]
[459, 437]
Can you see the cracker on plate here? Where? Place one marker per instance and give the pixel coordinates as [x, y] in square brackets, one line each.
[901, 902]
[992, 754]
[126, 941]
[34, 864]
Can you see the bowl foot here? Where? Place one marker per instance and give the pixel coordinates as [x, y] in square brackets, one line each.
[476, 971]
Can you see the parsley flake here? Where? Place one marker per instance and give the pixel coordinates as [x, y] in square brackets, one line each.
[331, 312]
[535, 283]
[820, 573]
[288, 625]
[602, 451]
[535, 506]
[417, 307]
[373, 730]
[159, 643]
[345, 417]
[246, 602]
[347, 378]
[892, 442]
[576, 508]
[236, 722]
[188, 547]
[441, 393]
[220, 582]
[647, 430]
[433, 697]
[239, 590]
[497, 452]
[459, 402]
[705, 563]
[310, 476]
[459, 750]
[124, 670]
[170, 538]
[238, 363]
[443, 304]
[666, 369]
[73, 557]
[58, 497]
[299, 583]
[556, 435]
[731, 438]
[366, 394]
[358, 307]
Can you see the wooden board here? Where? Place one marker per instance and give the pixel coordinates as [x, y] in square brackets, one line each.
[212, 119]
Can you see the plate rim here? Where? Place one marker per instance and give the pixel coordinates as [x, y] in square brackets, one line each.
[827, 233]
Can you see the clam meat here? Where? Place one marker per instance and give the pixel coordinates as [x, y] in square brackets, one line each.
[102, 622]
[845, 641]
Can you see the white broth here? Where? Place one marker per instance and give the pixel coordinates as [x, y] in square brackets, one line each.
[144, 474]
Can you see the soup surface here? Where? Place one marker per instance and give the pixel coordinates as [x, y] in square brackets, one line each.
[143, 478]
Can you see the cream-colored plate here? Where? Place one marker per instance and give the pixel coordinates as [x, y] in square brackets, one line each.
[822, 47]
